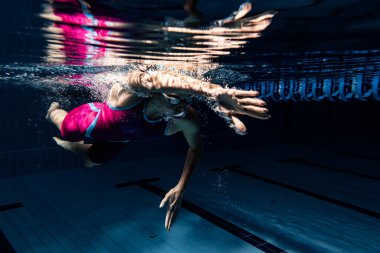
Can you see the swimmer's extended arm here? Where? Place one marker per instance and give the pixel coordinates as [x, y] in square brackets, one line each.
[231, 102]
[191, 130]
[161, 81]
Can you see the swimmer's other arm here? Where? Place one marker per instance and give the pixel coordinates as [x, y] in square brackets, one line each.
[191, 131]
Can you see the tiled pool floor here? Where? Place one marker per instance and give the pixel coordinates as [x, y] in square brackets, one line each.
[248, 201]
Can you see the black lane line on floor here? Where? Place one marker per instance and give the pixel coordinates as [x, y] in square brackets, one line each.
[300, 160]
[353, 154]
[216, 220]
[5, 245]
[303, 191]
[10, 206]
[220, 222]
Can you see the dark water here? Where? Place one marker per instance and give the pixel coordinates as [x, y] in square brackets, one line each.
[304, 51]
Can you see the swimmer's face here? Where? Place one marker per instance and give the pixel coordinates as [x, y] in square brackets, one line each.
[176, 99]
[177, 105]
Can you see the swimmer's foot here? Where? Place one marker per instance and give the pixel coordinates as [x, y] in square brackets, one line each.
[65, 144]
[53, 106]
[76, 147]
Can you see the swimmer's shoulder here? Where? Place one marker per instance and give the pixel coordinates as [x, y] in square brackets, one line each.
[120, 97]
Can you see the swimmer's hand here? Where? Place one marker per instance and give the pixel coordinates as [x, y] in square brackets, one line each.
[233, 102]
[173, 200]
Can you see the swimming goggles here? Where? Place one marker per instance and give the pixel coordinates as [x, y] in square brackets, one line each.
[175, 100]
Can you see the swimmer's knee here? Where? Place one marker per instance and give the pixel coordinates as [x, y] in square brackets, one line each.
[57, 117]
[58, 113]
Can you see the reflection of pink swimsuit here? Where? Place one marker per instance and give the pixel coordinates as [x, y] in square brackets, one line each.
[104, 122]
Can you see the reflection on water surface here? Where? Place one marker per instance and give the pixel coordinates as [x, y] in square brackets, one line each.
[226, 50]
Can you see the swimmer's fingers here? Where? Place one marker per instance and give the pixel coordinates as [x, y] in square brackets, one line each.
[167, 218]
[164, 200]
[163, 203]
[230, 99]
[238, 125]
[172, 199]
[251, 109]
[172, 214]
[250, 101]
[172, 211]
[242, 93]
[168, 212]
[255, 112]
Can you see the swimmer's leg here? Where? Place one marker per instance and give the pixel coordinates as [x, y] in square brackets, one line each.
[78, 147]
[55, 114]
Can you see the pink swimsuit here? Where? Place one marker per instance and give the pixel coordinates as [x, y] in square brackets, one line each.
[104, 122]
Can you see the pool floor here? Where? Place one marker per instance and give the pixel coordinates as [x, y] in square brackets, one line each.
[298, 198]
